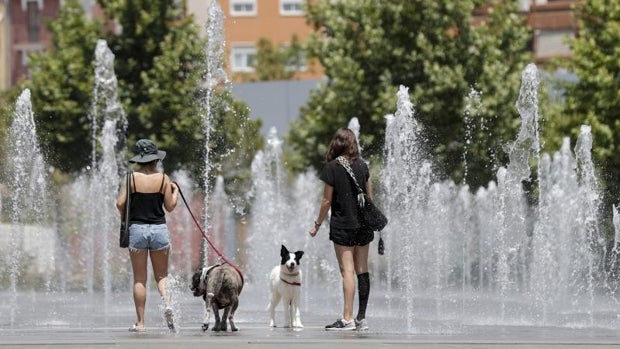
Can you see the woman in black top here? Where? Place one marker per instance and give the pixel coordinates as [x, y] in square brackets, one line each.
[151, 193]
[351, 240]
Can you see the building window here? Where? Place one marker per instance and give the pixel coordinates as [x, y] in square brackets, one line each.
[553, 43]
[243, 7]
[242, 58]
[34, 21]
[291, 7]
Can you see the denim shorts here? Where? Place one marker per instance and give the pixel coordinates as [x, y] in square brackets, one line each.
[351, 237]
[148, 237]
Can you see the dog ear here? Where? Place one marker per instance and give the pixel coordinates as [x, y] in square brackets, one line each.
[283, 252]
[298, 255]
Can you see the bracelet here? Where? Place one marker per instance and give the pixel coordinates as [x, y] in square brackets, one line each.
[317, 225]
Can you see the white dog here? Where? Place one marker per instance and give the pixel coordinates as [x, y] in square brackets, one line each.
[285, 283]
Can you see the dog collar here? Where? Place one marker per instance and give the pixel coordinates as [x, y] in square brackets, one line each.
[291, 283]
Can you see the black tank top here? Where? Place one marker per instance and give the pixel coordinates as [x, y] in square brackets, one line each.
[147, 208]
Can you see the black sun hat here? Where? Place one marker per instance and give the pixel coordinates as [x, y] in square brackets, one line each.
[146, 151]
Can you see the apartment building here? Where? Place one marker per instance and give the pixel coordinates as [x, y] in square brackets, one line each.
[554, 23]
[4, 46]
[22, 30]
[247, 21]
[27, 32]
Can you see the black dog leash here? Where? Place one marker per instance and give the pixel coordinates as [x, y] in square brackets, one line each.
[204, 234]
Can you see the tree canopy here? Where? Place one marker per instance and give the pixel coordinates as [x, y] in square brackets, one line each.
[595, 98]
[368, 48]
[159, 64]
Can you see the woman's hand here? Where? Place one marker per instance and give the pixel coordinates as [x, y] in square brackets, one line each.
[314, 231]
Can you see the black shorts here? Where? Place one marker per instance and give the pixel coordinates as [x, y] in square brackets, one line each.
[351, 237]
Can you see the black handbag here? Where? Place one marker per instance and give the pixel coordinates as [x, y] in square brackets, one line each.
[124, 231]
[370, 215]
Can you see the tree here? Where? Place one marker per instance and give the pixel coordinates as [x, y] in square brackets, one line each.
[368, 48]
[61, 85]
[595, 98]
[273, 63]
[159, 63]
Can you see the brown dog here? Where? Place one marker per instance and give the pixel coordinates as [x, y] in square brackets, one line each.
[219, 286]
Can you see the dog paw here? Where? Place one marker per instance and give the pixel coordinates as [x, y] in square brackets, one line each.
[298, 325]
[272, 324]
[205, 327]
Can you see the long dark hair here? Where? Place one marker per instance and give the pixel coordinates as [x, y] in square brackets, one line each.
[344, 143]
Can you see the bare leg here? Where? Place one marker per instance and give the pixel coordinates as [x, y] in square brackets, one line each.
[360, 256]
[344, 254]
[138, 265]
[159, 261]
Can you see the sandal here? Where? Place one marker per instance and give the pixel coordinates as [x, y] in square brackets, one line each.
[135, 328]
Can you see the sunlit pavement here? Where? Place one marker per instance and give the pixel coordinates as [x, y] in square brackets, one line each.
[78, 320]
[253, 335]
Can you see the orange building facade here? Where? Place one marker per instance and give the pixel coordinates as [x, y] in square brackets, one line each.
[553, 23]
[25, 33]
[22, 30]
[247, 21]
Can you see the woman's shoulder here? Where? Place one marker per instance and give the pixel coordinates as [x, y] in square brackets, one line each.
[360, 162]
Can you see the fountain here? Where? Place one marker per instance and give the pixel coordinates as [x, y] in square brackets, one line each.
[27, 174]
[490, 257]
[455, 259]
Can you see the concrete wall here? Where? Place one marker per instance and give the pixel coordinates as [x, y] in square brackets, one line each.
[277, 103]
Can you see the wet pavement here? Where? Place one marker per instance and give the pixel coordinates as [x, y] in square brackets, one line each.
[260, 336]
[79, 320]
[253, 334]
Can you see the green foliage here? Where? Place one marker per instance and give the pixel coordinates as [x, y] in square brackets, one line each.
[61, 83]
[7, 99]
[368, 48]
[595, 98]
[159, 64]
[274, 63]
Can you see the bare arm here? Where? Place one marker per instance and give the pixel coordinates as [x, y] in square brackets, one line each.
[326, 203]
[171, 194]
[369, 188]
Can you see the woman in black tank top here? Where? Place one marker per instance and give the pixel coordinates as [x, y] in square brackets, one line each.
[151, 192]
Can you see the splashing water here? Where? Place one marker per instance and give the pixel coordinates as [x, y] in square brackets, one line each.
[215, 77]
[27, 184]
[492, 250]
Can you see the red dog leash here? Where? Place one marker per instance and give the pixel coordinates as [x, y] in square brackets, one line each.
[204, 234]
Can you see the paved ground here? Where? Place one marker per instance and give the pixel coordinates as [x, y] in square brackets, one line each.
[77, 320]
[259, 336]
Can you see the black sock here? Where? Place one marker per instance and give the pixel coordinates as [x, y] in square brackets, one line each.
[363, 287]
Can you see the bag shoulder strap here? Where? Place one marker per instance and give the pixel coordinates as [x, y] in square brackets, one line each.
[128, 197]
[344, 163]
[361, 198]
